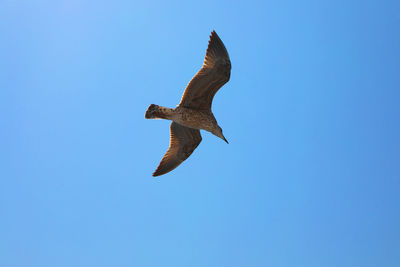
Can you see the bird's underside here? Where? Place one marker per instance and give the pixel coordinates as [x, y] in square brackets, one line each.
[197, 99]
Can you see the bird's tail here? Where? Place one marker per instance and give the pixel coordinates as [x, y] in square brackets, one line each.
[157, 112]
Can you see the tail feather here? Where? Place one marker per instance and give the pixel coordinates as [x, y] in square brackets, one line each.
[154, 112]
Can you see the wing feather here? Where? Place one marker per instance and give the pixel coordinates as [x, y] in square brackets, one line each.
[214, 73]
[183, 141]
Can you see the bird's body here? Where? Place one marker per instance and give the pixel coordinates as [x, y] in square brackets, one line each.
[192, 118]
[194, 111]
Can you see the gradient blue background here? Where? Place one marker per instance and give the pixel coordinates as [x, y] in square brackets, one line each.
[311, 176]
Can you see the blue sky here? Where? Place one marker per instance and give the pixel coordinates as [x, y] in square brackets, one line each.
[311, 176]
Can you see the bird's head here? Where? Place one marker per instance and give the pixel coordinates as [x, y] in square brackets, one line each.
[218, 132]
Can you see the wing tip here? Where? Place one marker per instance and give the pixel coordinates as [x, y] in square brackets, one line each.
[216, 47]
[158, 172]
[213, 35]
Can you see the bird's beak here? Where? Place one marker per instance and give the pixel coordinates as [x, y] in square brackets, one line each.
[223, 137]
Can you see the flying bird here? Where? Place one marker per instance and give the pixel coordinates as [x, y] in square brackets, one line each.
[194, 111]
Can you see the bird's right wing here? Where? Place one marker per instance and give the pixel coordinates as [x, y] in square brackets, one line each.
[214, 73]
[183, 141]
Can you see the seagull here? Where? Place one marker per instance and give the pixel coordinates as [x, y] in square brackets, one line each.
[194, 111]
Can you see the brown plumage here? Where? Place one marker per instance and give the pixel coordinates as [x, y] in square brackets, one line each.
[183, 141]
[194, 110]
[214, 73]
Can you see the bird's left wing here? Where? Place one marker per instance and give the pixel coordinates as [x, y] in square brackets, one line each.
[214, 73]
[183, 141]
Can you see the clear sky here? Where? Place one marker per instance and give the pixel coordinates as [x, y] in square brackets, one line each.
[311, 176]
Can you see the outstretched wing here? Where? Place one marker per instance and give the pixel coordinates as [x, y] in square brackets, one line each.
[183, 141]
[214, 73]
